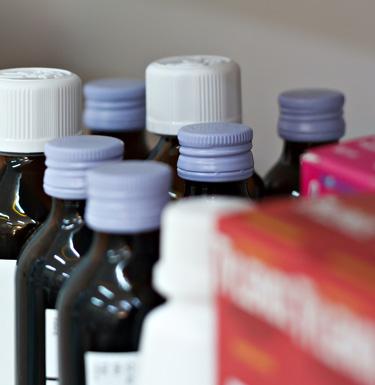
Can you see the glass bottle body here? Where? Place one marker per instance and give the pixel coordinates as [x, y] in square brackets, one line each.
[101, 310]
[283, 179]
[45, 264]
[135, 142]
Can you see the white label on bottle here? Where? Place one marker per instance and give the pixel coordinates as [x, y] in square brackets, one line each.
[7, 329]
[110, 368]
[51, 347]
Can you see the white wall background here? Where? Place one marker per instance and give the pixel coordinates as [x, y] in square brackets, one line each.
[279, 44]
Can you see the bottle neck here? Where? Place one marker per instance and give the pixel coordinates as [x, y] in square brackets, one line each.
[135, 142]
[22, 162]
[167, 151]
[292, 151]
[167, 145]
[116, 247]
[67, 209]
[236, 188]
[172, 139]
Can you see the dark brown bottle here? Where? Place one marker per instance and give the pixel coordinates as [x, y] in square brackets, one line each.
[36, 105]
[102, 307]
[116, 107]
[216, 159]
[167, 151]
[185, 90]
[45, 265]
[53, 252]
[308, 118]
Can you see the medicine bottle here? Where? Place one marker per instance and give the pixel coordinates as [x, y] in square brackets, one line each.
[186, 90]
[101, 309]
[178, 343]
[36, 105]
[216, 159]
[53, 252]
[116, 107]
[308, 118]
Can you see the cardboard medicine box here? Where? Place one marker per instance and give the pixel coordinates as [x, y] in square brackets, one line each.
[347, 167]
[297, 293]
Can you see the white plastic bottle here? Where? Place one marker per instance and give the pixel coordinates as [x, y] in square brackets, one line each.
[178, 343]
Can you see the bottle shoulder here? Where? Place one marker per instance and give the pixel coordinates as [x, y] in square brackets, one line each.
[101, 291]
[54, 238]
[49, 260]
[282, 177]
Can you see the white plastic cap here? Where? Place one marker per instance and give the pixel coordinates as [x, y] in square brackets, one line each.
[185, 90]
[37, 105]
[185, 268]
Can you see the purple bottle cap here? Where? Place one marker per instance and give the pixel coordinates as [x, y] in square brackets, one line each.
[311, 115]
[127, 197]
[215, 152]
[114, 105]
[68, 159]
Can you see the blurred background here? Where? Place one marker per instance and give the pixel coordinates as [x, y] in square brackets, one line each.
[279, 44]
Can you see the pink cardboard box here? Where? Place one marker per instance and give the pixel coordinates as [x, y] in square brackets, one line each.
[347, 167]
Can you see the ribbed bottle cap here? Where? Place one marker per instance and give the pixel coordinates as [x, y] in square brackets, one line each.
[187, 239]
[215, 152]
[37, 105]
[114, 105]
[127, 197]
[311, 115]
[68, 159]
[185, 90]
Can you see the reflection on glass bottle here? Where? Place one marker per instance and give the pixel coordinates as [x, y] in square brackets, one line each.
[23, 203]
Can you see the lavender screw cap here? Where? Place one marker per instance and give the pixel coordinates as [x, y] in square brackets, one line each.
[69, 158]
[215, 152]
[311, 115]
[115, 105]
[127, 197]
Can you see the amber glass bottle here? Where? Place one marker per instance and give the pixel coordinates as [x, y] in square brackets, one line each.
[36, 105]
[102, 307]
[187, 90]
[116, 107]
[308, 118]
[54, 250]
[216, 159]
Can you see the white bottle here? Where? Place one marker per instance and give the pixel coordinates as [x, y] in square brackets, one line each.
[178, 343]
